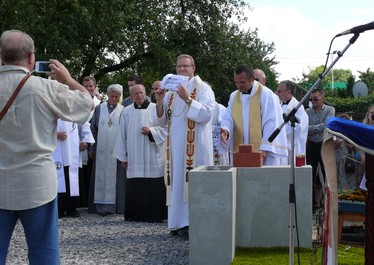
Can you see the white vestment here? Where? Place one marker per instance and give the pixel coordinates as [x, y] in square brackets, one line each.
[199, 111]
[75, 161]
[301, 129]
[271, 119]
[67, 153]
[218, 158]
[61, 155]
[145, 159]
[106, 165]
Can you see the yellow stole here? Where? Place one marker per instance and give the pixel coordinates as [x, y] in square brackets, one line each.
[190, 150]
[255, 128]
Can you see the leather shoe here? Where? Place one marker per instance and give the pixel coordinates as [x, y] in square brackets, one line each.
[73, 214]
[174, 232]
[184, 231]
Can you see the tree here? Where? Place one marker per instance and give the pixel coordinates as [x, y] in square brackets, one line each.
[110, 39]
[339, 75]
[368, 78]
[350, 84]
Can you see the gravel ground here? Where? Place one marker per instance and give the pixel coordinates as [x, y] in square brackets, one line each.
[93, 239]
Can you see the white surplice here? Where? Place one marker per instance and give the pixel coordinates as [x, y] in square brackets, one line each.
[145, 159]
[301, 129]
[106, 165]
[271, 119]
[67, 153]
[199, 111]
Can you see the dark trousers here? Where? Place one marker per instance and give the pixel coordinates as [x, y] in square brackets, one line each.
[84, 183]
[313, 158]
[66, 202]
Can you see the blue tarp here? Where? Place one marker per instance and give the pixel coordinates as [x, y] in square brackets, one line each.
[359, 133]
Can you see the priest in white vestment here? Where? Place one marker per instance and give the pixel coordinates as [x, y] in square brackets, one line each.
[288, 102]
[71, 139]
[107, 178]
[188, 114]
[140, 146]
[252, 115]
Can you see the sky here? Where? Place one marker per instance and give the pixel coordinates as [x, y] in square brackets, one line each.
[302, 32]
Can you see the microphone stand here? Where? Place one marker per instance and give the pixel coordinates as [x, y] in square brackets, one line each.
[291, 117]
[291, 191]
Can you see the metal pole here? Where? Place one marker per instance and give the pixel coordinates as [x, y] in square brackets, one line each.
[332, 70]
[287, 119]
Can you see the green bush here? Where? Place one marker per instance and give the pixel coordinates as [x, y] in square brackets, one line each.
[354, 105]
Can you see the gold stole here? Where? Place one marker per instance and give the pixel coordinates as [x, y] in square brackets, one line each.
[190, 151]
[255, 128]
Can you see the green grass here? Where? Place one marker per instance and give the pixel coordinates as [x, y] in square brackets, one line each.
[347, 255]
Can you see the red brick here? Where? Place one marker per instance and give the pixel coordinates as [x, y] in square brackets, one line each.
[245, 148]
[247, 158]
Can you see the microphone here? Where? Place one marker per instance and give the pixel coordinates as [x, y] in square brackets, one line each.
[357, 29]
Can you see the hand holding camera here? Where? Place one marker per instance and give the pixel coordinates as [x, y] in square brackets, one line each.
[58, 71]
[54, 69]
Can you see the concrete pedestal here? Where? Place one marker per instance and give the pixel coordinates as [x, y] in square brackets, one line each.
[246, 207]
[263, 206]
[212, 206]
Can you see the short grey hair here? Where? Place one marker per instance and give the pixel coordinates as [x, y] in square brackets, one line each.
[15, 46]
[114, 88]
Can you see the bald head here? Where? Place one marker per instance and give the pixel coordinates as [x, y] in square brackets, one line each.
[156, 84]
[260, 76]
[137, 94]
[17, 48]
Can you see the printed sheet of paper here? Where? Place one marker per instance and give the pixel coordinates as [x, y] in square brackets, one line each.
[171, 82]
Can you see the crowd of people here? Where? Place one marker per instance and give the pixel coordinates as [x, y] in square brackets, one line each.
[63, 147]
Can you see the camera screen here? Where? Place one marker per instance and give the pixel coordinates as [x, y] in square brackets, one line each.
[44, 67]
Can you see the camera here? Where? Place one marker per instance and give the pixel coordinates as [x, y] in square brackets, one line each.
[42, 67]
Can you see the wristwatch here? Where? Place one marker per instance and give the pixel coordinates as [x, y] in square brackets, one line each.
[189, 100]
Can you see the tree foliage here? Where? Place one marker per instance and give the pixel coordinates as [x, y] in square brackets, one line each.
[110, 39]
[336, 75]
[368, 78]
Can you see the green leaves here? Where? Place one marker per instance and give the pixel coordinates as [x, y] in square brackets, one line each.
[110, 39]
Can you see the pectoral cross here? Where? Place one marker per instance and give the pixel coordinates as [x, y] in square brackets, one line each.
[110, 122]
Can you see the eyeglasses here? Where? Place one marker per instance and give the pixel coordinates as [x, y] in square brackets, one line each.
[184, 65]
[154, 88]
[314, 98]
